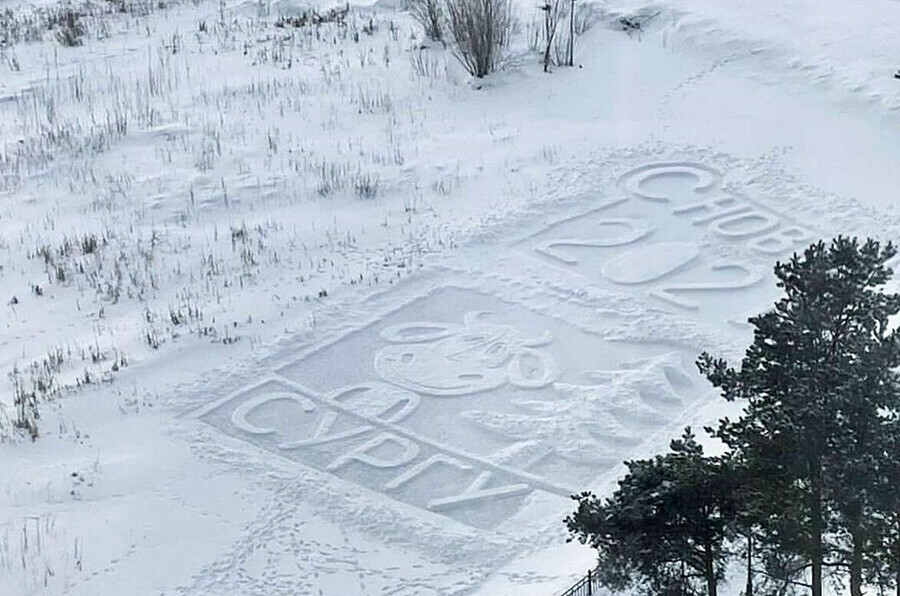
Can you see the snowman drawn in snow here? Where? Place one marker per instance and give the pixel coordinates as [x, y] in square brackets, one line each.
[448, 360]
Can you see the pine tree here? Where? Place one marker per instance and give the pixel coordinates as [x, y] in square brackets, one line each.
[664, 529]
[815, 381]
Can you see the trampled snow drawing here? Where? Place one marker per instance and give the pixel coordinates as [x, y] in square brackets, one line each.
[450, 360]
[673, 234]
[465, 414]
[305, 308]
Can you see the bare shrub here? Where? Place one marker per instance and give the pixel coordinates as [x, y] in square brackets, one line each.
[480, 31]
[430, 15]
[369, 101]
[553, 12]
[425, 65]
[366, 185]
[67, 19]
[312, 17]
[578, 19]
[71, 31]
[25, 402]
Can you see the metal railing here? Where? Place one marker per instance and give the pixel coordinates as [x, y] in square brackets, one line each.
[586, 586]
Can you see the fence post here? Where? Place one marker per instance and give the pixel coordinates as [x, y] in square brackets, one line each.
[590, 584]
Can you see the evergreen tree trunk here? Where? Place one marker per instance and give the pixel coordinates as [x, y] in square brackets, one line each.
[856, 574]
[711, 586]
[817, 575]
[816, 530]
[856, 560]
[710, 571]
[896, 567]
[749, 591]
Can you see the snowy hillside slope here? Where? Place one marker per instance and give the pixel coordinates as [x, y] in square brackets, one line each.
[852, 48]
[315, 314]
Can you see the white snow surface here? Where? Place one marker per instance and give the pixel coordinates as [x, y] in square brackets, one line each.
[311, 312]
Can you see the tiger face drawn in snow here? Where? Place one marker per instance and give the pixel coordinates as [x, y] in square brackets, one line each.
[449, 360]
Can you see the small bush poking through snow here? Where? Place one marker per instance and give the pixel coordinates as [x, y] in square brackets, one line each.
[366, 186]
[430, 15]
[71, 31]
[480, 31]
[315, 18]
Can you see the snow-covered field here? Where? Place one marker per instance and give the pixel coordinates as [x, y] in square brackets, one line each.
[311, 312]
